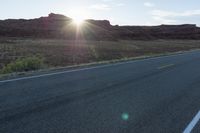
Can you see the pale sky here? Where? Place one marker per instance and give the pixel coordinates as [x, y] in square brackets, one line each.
[122, 12]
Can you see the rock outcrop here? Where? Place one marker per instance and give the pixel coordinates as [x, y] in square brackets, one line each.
[60, 26]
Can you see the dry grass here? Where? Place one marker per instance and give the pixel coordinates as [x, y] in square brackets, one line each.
[65, 53]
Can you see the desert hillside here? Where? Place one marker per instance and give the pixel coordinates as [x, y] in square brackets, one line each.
[60, 26]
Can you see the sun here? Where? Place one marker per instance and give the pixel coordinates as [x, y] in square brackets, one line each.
[78, 15]
[78, 21]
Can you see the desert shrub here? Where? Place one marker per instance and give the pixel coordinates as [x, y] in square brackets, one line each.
[23, 65]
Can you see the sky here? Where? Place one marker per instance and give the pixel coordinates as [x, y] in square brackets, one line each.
[121, 12]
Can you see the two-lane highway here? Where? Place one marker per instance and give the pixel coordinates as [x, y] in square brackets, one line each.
[158, 95]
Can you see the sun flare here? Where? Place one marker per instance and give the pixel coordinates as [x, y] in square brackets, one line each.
[78, 15]
[78, 20]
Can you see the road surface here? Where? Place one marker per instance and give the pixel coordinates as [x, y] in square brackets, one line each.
[156, 95]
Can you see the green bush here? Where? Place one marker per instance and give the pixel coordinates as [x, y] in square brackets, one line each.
[23, 65]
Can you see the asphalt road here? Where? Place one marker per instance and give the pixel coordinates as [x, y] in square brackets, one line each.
[157, 95]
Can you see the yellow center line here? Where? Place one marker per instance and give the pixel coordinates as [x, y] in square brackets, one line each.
[165, 66]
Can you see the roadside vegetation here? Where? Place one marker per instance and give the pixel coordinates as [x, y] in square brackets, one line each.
[19, 55]
[23, 65]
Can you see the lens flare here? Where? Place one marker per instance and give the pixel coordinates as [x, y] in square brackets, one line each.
[125, 116]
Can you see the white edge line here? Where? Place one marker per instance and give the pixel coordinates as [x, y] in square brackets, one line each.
[62, 72]
[89, 68]
[192, 123]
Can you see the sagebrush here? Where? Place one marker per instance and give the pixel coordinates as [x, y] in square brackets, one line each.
[23, 65]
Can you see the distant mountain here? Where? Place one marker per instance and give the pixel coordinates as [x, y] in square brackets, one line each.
[60, 26]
